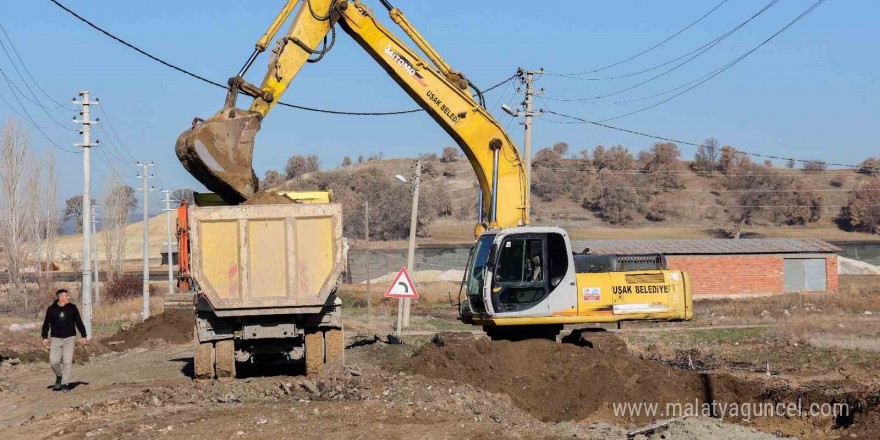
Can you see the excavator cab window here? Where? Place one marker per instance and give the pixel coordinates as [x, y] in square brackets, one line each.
[520, 274]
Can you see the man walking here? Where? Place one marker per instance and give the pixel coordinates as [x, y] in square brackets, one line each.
[62, 321]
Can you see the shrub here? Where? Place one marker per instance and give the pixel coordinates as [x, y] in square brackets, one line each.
[123, 287]
[815, 166]
[862, 211]
[616, 199]
[663, 165]
[299, 165]
[871, 166]
[449, 154]
[272, 179]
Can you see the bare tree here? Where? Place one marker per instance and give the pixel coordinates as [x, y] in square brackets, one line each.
[707, 155]
[450, 154]
[50, 218]
[179, 194]
[14, 204]
[73, 210]
[117, 207]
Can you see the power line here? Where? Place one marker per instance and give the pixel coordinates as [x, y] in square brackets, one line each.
[35, 100]
[646, 50]
[115, 133]
[23, 65]
[217, 84]
[698, 51]
[709, 191]
[774, 172]
[30, 118]
[727, 66]
[678, 141]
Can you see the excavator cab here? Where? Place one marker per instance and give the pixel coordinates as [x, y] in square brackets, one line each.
[524, 267]
[526, 282]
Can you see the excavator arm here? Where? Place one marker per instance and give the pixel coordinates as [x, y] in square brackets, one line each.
[218, 151]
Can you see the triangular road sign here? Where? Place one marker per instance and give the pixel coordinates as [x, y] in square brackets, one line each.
[402, 286]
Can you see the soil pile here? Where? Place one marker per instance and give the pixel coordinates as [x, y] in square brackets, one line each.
[173, 326]
[556, 382]
[268, 198]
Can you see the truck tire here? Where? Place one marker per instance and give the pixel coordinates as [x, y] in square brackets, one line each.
[334, 346]
[314, 345]
[203, 360]
[224, 352]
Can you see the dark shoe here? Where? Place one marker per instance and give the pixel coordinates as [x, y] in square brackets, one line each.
[65, 388]
[57, 386]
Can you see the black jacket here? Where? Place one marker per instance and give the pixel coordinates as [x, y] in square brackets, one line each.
[62, 321]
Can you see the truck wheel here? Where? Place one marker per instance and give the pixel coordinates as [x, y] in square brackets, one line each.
[314, 342]
[225, 357]
[203, 360]
[334, 346]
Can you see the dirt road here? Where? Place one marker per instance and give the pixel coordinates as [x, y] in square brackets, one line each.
[460, 388]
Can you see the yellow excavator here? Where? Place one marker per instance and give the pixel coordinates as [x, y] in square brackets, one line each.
[521, 279]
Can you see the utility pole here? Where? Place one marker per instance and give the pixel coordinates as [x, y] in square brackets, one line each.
[168, 210]
[413, 223]
[86, 145]
[527, 77]
[367, 257]
[97, 298]
[145, 175]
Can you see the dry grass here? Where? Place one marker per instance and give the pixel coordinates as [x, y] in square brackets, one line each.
[831, 320]
[117, 312]
[355, 295]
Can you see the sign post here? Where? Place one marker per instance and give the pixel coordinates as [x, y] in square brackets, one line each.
[401, 288]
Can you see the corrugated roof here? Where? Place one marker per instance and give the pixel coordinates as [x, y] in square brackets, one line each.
[707, 246]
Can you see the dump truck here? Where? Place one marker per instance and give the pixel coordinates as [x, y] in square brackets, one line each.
[264, 281]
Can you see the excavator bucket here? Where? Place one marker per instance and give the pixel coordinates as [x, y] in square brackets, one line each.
[219, 153]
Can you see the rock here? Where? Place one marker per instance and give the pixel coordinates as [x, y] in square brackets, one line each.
[786, 312]
[310, 386]
[155, 401]
[867, 312]
[766, 314]
[286, 388]
[16, 361]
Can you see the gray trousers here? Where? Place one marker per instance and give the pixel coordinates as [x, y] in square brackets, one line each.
[61, 357]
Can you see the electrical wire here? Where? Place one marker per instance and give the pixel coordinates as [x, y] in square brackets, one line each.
[648, 49]
[724, 68]
[24, 66]
[115, 133]
[30, 118]
[699, 51]
[217, 84]
[710, 191]
[577, 120]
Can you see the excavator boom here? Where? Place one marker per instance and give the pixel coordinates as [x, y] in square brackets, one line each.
[219, 151]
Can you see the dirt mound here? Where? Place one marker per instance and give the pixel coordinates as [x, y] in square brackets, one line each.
[556, 382]
[173, 326]
[268, 198]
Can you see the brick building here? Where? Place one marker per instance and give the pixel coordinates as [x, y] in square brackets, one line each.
[730, 267]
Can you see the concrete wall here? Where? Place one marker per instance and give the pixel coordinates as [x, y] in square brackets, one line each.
[737, 274]
[385, 261]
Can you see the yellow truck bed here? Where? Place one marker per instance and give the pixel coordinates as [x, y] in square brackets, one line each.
[266, 256]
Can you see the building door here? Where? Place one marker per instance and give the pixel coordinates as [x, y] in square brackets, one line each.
[804, 275]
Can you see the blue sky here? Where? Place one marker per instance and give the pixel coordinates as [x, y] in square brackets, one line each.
[811, 93]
